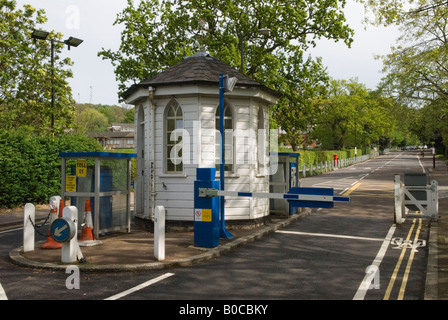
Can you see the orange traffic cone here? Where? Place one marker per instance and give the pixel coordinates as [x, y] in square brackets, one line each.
[86, 238]
[61, 207]
[87, 231]
[51, 243]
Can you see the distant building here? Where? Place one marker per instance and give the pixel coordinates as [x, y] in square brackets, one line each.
[118, 136]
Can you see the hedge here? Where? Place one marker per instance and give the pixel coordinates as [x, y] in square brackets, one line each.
[30, 167]
[308, 157]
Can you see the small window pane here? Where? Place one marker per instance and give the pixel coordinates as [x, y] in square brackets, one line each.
[174, 120]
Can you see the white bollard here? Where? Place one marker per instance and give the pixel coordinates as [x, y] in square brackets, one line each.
[159, 233]
[399, 200]
[54, 204]
[70, 249]
[28, 228]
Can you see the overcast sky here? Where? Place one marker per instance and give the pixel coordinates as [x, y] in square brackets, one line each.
[92, 20]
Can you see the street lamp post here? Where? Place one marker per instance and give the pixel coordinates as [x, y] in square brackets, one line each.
[264, 32]
[226, 84]
[70, 42]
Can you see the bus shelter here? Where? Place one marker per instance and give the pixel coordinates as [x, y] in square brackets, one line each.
[284, 177]
[103, 178]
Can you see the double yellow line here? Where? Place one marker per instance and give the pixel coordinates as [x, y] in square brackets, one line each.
[400, 260]
[402, 255]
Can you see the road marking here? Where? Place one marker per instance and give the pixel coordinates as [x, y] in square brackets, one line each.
[365, 283]
[348, 191]
[397, 267]
[374, 195]
[408, 266]
[421, 165]
[140, 286]
[2, 293]
[327, 235]
[10, 230]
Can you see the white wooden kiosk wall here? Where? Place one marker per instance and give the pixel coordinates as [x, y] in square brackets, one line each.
[175, 191]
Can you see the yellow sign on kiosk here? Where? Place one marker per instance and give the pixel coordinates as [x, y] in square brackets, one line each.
[70, 184]
[81, 168]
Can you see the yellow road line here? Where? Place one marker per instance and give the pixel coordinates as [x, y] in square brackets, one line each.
[353, 188]
[408, 266]
[397, 267]
[376, 195]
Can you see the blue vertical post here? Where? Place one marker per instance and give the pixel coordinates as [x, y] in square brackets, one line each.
[206, 210]
[224, 232]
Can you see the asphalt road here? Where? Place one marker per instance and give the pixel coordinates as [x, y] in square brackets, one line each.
[352, 251]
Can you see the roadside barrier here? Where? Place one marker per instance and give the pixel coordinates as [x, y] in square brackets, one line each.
[206, 204]
[415, 195]
[326, 166]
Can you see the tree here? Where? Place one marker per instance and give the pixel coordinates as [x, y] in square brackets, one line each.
[353, 116]
[90, 120]
[129, 116]
[25, 73]
[416, 68]
[431, 126]
[159, 33]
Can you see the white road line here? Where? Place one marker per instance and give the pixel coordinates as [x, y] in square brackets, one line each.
[11, 230]
[328, 235]
[421, 165]
[2, 293]
[140, 286]
[365, 284]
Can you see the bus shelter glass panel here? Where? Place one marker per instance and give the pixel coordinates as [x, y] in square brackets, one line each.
[105, 182]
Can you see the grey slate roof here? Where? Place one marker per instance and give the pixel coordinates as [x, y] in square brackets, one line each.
[200, 68]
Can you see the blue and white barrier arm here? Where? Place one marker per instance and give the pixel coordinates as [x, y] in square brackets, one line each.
[204, 192]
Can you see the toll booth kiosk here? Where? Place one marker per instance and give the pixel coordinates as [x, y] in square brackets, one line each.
[283, 177]
[103, 178]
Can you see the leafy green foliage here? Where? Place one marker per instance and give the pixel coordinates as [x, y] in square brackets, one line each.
[97, 118]
[159, 33]
[353, 116]
[30, 167]
[416, 69]
[25, 73]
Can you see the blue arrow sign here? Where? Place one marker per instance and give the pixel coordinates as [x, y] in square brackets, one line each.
[62, 229]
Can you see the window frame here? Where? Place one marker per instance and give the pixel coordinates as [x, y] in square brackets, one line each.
[175, 106]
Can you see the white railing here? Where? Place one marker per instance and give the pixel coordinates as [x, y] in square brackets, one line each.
[326, 166]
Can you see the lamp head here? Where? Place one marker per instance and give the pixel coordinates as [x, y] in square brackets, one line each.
[40, 35]
[73, 42]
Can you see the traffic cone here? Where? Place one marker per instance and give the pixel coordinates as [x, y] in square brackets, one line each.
[61, 207]
[86, 238]
[87, 231]
[51, 243]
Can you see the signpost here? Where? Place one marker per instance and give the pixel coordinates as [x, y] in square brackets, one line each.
[64, 230]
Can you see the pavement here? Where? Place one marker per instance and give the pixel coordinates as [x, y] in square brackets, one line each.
[437, 270]
[123, 251]
[134, 250]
